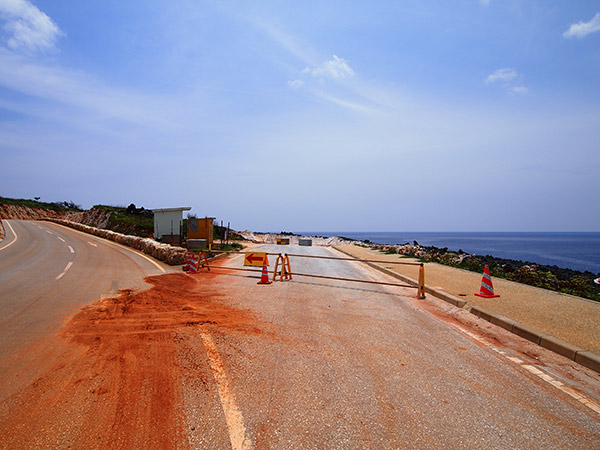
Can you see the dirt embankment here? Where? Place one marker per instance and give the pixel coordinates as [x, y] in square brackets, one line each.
[95, 217]
[26, 213]
[118, 384]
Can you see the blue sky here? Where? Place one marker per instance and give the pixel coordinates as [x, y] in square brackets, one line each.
[463, 115]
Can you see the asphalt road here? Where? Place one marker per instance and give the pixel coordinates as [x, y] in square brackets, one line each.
[306, 363]
[47, 272]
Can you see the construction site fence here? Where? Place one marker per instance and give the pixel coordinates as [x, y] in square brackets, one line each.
[296, 274]
[420, 285]
[327, 257]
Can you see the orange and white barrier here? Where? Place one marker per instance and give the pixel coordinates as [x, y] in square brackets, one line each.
[487, 289]
[191, 262]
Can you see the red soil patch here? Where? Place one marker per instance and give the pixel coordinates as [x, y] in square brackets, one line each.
[119, 383]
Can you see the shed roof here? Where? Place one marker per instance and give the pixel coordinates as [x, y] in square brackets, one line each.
[182, 208]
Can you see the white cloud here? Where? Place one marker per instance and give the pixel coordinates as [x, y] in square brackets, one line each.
[484, 2]
[295, 84]
[335, 68]
[344, 103]
[582, 29]
[508, 79]
[521, 90]
[29, 28]
[503, 75]
[80, 90]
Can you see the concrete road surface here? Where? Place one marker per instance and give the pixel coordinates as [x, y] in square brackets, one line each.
[47, 272]
[348, 365]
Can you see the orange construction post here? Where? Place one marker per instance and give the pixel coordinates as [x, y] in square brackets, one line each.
[421, 286]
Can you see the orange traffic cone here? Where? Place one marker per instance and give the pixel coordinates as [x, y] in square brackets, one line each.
[487, 289]
[264, 279]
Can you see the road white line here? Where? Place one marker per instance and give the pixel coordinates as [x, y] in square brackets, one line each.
[69, 264]
[233, 415]
[49, 232]
[60, 238]
[71, 249]
[129, 249]
[566, 389]
[92, 244]
[14, 234]
[537, 372]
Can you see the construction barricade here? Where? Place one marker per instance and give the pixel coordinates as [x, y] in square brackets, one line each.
[282, 270]
[195, 261]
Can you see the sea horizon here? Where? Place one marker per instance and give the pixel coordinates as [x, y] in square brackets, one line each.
[577, 250]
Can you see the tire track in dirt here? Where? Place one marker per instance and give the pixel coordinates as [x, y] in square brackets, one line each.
[119, 382]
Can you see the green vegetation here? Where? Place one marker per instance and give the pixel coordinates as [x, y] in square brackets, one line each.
[59, 206]
[233, 247]
[130, 220]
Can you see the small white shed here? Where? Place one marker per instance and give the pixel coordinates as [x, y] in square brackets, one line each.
[168, 222]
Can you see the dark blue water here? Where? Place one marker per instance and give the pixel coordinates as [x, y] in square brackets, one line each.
[577, 251]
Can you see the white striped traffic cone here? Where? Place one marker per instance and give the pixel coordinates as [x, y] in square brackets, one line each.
[191, 263]
[487, 289]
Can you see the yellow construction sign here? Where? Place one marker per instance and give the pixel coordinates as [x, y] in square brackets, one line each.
[256, 259]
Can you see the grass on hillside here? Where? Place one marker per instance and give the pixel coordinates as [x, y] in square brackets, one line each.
[59, 206]
[122, 222]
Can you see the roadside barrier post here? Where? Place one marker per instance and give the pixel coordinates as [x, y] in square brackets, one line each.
[286, 270]
[204, 260]
[421, 286]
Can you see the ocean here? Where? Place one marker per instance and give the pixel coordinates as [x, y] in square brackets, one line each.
[577, 251]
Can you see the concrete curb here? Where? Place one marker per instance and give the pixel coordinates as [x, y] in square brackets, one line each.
[586, 358]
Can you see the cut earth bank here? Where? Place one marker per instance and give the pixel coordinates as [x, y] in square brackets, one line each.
[564, 316]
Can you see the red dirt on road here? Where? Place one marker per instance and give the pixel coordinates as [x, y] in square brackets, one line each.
[118, 382]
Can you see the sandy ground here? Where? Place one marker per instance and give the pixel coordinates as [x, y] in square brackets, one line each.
[571, 318]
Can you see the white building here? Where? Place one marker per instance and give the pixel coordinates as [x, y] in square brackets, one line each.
[168, 222]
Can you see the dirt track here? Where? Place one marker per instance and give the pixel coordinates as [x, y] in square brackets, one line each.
[119, 379]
